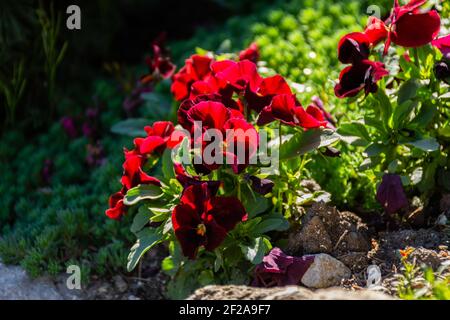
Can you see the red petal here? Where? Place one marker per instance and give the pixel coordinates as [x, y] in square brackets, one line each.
[414, 30]
[376, 30]
[227, 211]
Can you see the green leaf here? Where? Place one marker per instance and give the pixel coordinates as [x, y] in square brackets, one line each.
[256, 251]
[407, 91]
[140, 219]
[142, 192]
[168, 266]
[167, 165]
[375, 149]
[254, 203]
[206, 277]
[304, 142]
[385, 106]
[131, 127]
[402, 112]
[354, 133]
[424, 116]
[147, 239]
[427, 144]
[273, 222]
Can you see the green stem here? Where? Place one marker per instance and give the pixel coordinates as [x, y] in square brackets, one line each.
[416, 57]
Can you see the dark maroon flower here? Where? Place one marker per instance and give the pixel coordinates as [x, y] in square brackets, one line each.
[442, 70]
[188, 180]
[390, 193]
[279, 269]
[68, 124]
[287, 109]
[159, 66]
[204, 220]
[266, 89]
[354, 47]
[360, 76]
[251, 53]
[443, 44]
[261, 186]
[411, 28]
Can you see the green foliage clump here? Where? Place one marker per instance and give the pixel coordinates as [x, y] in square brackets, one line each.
[46, 226]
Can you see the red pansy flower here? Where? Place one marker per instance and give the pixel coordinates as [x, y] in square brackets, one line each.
[158, 66]
[443, 44]
[197, 68]
[202, 219]
[188, 180]
[133, 174]
[361, 76]
[287, 109]
[237, 75]
[158, 138]
[266, 89]
[251, 53]
[116, 207]
[214, 115]
[411, 28]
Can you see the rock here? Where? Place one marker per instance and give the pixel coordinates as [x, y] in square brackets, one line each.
[233, 292]
[314, 237]
[326, 230]
[444, 204]
[15, 284]
[120, 284]
[425, 256]
[325, 272]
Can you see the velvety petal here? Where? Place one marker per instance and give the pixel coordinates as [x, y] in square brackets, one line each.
[353, 47]
[443, 44]
[376, 31]
[297, 269]
[414, 30]
[251, 53]
[151, 144]
[212, 114]
[215, 234]
[306, 120]
[239, 75]
[116, 206]
[355, 78]
[227, 212]
[133, 174]
[189, 241]
[390, 193]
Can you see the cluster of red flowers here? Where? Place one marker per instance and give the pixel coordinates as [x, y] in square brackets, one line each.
[220, 95]
[407, 26]
[158, 138]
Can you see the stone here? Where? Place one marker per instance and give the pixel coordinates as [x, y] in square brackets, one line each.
[15, 284]
[315, 238]
[325, 272]
[233, 292]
